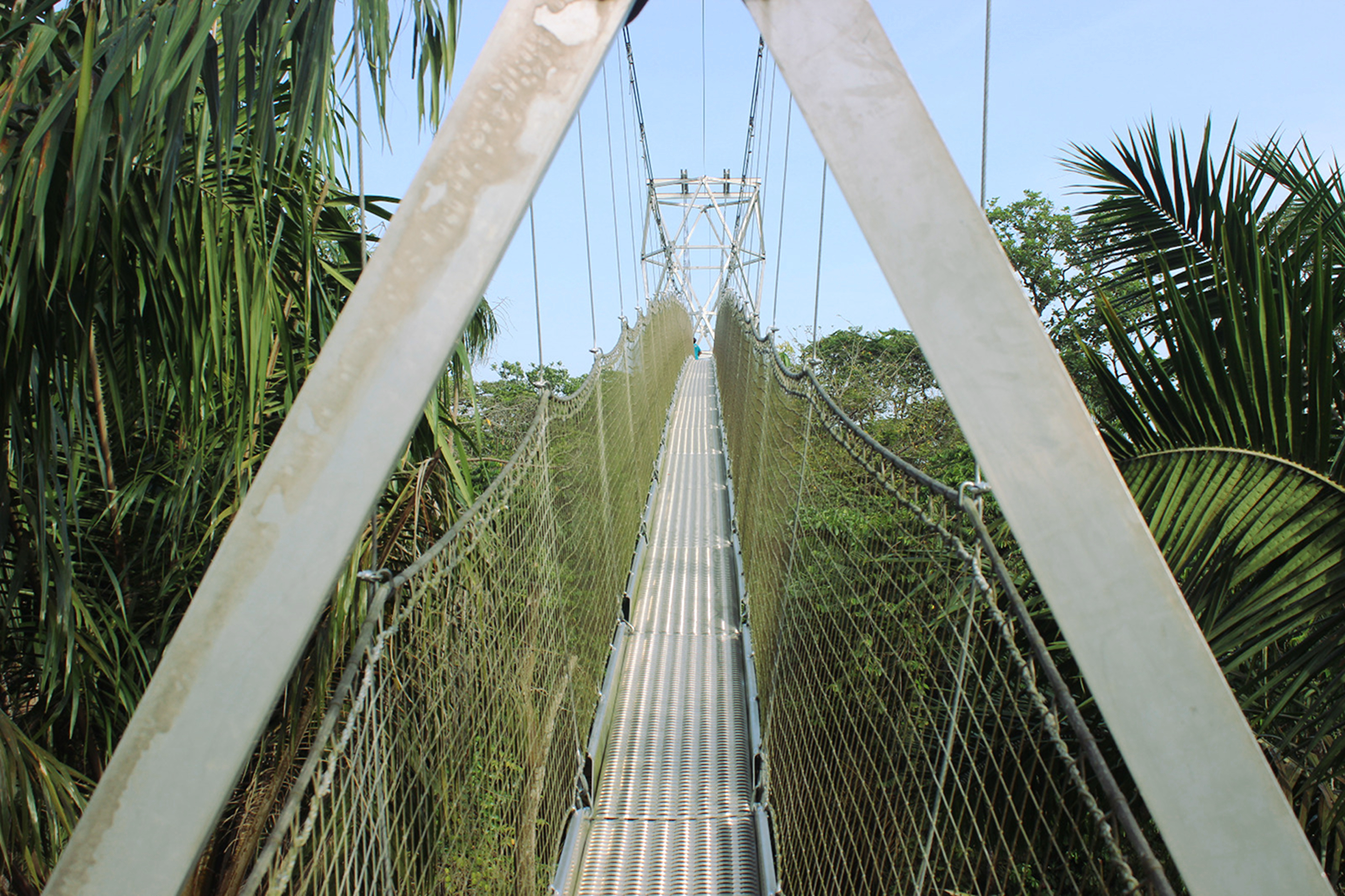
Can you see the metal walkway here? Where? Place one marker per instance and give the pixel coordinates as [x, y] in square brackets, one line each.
[673, 811]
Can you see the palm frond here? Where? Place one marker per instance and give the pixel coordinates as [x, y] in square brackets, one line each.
[1258, 545]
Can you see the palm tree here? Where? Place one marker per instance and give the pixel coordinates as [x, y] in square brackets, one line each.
[1226, 387]
[176, 241]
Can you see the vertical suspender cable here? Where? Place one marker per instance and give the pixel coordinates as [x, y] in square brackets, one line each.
[588, 242]
[630, 198]
[751, 125]
[611, 180]
[644, 138]
[780, 231]
[985, 129]
[537, 300]
[821, 222]
[364, 246]
[703, 92]
[985, 100]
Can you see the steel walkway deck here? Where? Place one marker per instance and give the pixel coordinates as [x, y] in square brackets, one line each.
[673, 811]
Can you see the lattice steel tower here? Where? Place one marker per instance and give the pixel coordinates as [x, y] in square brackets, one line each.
[718, 229]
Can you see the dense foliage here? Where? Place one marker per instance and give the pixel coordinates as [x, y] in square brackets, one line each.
[177, 239]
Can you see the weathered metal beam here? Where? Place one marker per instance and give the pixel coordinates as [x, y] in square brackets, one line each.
[1185, 741]
[218, 682]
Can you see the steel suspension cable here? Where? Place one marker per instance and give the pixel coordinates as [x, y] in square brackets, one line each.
[751, 123]
[364, 246]
[703, 90]
[644, 137]
[588, 243]
[821, 223]
[635, 249]
[985, 100]
[611, 180]
[537, 300]
[780, 231]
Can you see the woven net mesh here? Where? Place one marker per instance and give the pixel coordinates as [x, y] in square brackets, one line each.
[449, 763]
[911, 742]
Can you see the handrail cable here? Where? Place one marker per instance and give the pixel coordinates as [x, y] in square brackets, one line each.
[611, 179]
[588, 242]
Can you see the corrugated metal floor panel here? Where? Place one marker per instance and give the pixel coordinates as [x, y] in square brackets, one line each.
[672, 815]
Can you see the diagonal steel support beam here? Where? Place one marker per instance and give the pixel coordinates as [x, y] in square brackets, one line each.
[219, 679]
[1166, 702]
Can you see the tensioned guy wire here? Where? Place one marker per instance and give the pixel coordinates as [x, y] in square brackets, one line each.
[635, 249]
[703, 92]
[611, 179]
[537, 300]
[780, 231]
[985, 100]
[364, 247]
[588, 243]
[985, 129]
[821, 223]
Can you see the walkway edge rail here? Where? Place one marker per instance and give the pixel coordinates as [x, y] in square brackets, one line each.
[1183, 735]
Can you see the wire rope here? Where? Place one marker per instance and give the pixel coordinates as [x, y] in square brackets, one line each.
[821, 223]
[537, 300]
[765, 171]
[751, 124]
[588, 241]
[644, 139]
[630, 201]
[985, 130]
[985, 101]
[703, 89]
[364, 244]
[611, 181]
[780, 231]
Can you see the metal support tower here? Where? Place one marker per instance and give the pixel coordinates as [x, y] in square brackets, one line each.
[720, 231]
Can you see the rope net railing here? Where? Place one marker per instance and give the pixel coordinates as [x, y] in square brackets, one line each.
[916, 739]
[447, 758]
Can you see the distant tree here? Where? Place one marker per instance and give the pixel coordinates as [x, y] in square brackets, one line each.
[1053, 261]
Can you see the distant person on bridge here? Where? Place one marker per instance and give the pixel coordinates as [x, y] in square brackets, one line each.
[695, 349]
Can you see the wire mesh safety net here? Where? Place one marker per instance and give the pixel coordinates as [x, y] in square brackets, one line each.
[913, 739]
[448, 762]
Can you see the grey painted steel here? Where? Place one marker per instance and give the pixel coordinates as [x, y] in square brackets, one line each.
[673, 811]
[200, 718]
[1185, 741]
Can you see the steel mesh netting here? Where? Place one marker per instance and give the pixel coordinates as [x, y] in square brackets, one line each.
[912, 741]
[449, 763]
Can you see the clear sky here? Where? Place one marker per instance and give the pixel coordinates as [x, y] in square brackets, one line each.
[1061, 72]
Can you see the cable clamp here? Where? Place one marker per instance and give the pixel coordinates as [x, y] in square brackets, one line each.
[972, 490]
[374, 576]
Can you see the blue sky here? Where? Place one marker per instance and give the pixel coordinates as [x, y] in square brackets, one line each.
[1061, 73]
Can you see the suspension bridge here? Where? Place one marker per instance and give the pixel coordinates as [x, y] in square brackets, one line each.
[703, 634]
